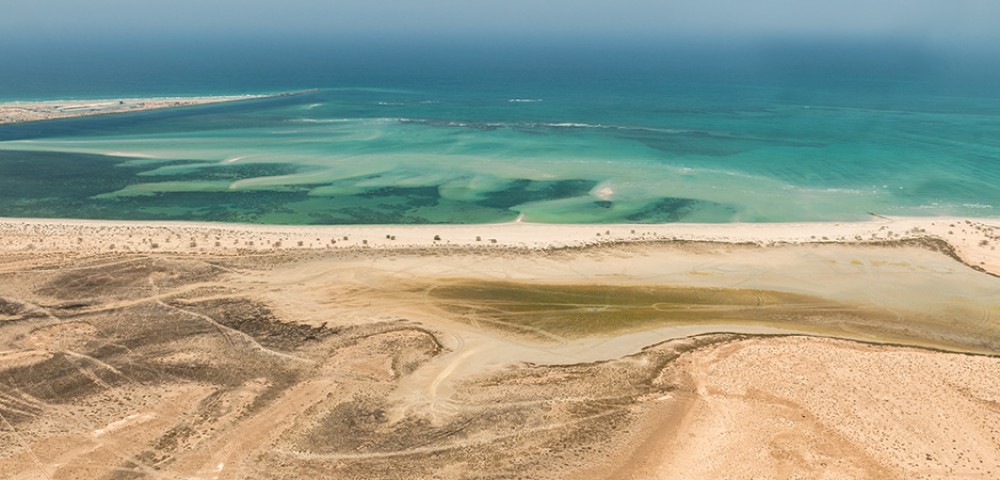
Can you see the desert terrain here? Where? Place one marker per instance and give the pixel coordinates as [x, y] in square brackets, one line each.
[181, 351]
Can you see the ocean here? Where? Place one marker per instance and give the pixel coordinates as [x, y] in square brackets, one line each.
[447, 132]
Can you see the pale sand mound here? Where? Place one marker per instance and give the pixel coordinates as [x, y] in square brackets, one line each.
[820, 408]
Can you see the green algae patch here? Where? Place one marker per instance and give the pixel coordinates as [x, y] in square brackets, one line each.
[558, 312]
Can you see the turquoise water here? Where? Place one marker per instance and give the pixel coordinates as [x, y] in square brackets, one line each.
[791, 136]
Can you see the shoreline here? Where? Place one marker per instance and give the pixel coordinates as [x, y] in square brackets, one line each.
[973, 241]
[17, 112]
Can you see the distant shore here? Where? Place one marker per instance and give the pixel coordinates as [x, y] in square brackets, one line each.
[23, 112]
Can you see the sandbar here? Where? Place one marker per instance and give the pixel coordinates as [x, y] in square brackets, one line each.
[34, 111]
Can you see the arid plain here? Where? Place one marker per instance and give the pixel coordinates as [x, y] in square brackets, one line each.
[176, 351]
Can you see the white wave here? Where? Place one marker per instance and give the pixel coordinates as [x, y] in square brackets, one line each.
[314, 105]
[319, 120]
[524, 100]
[129, 154]
[670, 131]
[850, 191]
[375, 90]
[573, 125]
[384, 120]
[952, 206]
[233, 159]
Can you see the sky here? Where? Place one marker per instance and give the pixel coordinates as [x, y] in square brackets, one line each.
[942, 21]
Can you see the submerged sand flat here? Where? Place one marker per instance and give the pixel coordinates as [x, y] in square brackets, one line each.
[656, 351]
[19, 112]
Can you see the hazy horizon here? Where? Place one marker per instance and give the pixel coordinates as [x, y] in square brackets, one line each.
[927, 23]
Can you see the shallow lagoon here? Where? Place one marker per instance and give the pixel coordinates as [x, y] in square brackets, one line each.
[570, 146]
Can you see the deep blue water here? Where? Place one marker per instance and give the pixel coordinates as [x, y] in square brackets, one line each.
[451, 132]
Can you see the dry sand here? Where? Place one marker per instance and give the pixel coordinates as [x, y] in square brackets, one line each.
[20, 112]
[171, 350]
[974, 241]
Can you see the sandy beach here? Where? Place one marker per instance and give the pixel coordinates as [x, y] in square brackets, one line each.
[974, 241]
[185, 350]
[20, 112]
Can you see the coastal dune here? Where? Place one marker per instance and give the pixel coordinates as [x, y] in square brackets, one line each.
[183, 350]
